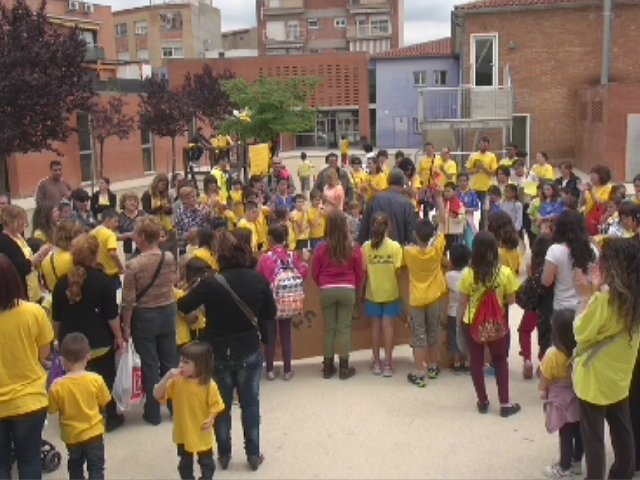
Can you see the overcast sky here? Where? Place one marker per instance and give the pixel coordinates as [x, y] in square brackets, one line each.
[424, 19]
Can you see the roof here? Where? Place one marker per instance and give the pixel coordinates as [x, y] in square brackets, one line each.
[435, 48]
[482, 4]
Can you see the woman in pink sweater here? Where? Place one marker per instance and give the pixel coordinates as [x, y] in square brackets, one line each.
[338, 269]
[269, 265]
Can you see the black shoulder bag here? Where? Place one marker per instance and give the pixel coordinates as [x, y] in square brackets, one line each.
[243, 306]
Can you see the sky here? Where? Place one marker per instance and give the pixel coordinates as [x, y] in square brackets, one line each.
[424, 19]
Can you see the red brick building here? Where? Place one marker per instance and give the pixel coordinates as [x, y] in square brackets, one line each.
[553, 51]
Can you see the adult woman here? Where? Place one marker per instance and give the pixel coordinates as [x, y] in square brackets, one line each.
[333, 194]
[568, 179]
[129, 213]
[84, 301]
[176, 178]
[4, 201]
[607, 332]
[597, 194]
[44, 220]
[156, 201]
[149, 310]
[338, 269]
[235, 338]
[26, 341]
[14, 246]
[59, 262]
[572, 251]
[103, 198]
[81, 211]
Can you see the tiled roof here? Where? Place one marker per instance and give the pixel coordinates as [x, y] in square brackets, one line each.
[480, 4]
[435, 48]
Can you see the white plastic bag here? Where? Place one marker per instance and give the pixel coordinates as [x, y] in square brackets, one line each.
[127, 388]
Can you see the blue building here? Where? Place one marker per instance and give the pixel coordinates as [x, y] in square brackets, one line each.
[399, 72]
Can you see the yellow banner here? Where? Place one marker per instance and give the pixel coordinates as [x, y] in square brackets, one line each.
[259, 159]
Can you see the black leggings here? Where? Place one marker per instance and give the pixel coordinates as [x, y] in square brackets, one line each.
[105, 366]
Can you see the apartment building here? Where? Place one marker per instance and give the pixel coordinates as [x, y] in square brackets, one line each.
[289, 27]
[168, 29]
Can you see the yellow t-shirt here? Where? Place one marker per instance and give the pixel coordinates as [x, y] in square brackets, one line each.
[222, 179]
[507, 162]
[23, 330]
[244, 223]
[305, 169]
[382, 265]
[262, 226]
[555, 365]
[34, 292]
[165, 219]
[603, 377]
[417, 185]
[237, 206]
[510, 258]
[300, 224]
[59, 261]
[183, 329]
[379, 181]
[108, 243]
[506, 284]
[78, 398]
[291, 236]
[193, 405]
[543, 172]
[40, 235]
[481, 182]
[428, 168]
[426, 280]
[317, 222]
[359, 179]
[602, 194]
[451, 168]
[344, 147]
[208, 256]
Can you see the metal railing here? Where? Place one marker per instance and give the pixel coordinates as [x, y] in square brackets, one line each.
[274, 6]
[368, 31]
[292, 35]
[465, 103]
[94, 53]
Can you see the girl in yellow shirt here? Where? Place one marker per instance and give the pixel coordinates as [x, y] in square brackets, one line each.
[237, 198]
[543, 170]
[317, 219]
[196, 403]
[502, 227]
[377, 180]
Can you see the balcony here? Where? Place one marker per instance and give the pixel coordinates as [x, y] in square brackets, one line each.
[283, 7]
[291, 37]
[369, 6]
[465, 107]
[369, 31]
[94, 54]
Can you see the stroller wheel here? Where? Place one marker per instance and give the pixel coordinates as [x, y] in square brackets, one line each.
[52, 461]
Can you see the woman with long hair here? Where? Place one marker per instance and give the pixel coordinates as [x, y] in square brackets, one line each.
[333, 193]
[130, 211]
[596, 196]
[44, 221]
[157, 202]
[59, 262]
[483, 274]
[103, 198]
[338, 270]
[607, 331]
[26, 335]
[502, 227]
[84, 301]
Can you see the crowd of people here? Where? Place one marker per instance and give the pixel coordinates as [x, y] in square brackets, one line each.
[214, 277]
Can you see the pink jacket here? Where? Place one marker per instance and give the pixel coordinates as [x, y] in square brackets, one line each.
[269, 265]
[328, 274]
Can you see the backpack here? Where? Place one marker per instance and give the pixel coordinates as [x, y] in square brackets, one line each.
[528, 296]
[288, 288]
[490, 322]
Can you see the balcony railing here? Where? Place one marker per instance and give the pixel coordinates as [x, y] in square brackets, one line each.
[368, 31]
[366, 6]
[283, 7]
[466, 106]
[291, 36]
[118, 85]
[94, 53]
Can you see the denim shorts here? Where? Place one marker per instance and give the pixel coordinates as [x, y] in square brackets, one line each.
[379, 310]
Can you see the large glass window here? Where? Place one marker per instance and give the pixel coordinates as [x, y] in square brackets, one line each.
[148, 157]
[485, 61]
[85, 141]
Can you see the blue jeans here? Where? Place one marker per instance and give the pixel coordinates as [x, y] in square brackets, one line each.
[90, 453]
[154, 336]
[243, 376]
[24, 432]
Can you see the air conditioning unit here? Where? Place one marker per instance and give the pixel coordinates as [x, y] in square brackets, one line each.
[89, 8]
[74, 6]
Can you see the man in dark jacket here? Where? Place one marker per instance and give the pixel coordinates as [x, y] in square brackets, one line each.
[396, 206]
[343, 175]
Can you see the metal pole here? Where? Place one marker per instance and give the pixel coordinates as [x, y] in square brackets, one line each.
[606, 41]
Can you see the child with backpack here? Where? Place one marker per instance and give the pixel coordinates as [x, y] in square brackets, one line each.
[286, 271]
[486, 287]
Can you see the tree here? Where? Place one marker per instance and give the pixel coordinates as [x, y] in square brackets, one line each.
[208, 100]
[275, 106]
[42, 84]
[110, 120]
[164, 111]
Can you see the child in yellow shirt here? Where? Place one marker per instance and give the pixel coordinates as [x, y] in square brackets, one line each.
[359, 179]
[299, 219]
[317, 219]
[281, 216]
[188, 326]
[205, 248]
[108, 255]
[377, 180]
[78, 398]
[543, 170]
[306, 169]
[196, 404]
[502, 227]
[344, 150]
[237, 198]
[251, 216]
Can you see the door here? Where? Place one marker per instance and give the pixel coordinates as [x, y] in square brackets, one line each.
[521, 133]
[484, 57]
[293, 30]
[633, 144]
[321, 133]
[332, 134]
[361, 27]
[401, 132]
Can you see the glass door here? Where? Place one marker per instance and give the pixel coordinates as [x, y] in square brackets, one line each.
[485, 60]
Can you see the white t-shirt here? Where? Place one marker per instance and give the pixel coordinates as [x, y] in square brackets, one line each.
[453, 284]
[564, 290]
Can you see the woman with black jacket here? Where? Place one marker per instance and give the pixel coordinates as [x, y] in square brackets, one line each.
[568, 179]
[235, 335]
[103, 198]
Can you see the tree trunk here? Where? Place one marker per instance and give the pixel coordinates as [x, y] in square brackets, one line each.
[101, 143]
[173, 155]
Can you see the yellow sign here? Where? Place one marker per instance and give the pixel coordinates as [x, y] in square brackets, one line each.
[259, 159]
[531, 188]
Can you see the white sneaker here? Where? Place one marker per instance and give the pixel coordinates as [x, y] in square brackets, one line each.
[376, 368]
[387, 370]
[555, 471]
[576, 468]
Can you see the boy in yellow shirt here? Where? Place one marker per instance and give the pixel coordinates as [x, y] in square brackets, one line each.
[344, 150]
[251, 214]
[317, 219]
[78, 397]
[108, 240]
[300, 222]
[306, 169]
[237, 198]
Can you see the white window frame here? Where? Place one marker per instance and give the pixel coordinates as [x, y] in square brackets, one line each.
[313, 23]
[143, 59]
[148, 146]
[173, 51]
[340, 22]
[373, 23]
[423, 77]
[119, 30]
[496, 60]
[141, 27]
[437, 80]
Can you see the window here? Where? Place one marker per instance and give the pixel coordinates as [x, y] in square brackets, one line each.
[172, 52]
[313, 23]
[340, 22]
[125, 56]
[148, 158]
[484, 54]
[89, 36]
[314, 50]
[382, 25]
[416, 125]
[420, 79]
[140, 28]
[277, 51]
[121, 30]
[143, 55]
[85, 141]
[440, 77]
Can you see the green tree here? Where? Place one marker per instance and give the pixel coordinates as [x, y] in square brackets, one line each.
[276, 106]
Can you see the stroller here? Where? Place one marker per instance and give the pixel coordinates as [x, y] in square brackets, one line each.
[50, 457]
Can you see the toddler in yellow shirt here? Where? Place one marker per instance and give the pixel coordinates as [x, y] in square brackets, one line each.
[78, 398]
[196, 403]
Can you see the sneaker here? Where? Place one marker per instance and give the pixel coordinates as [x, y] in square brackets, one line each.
[527, 370]
[272, 375]
[376, 368]
[387, 370]
[555, 471]
[433, 372]
[288, 376]
[576, 467]
[418, 380]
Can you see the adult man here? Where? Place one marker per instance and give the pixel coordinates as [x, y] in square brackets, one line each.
[429, 171]
[332, 163]
[222, 174]
[396, 206]
[190, 216]
[511, 157]
[482, 165]
[54, 188]
[270, 181]
[196, 146]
